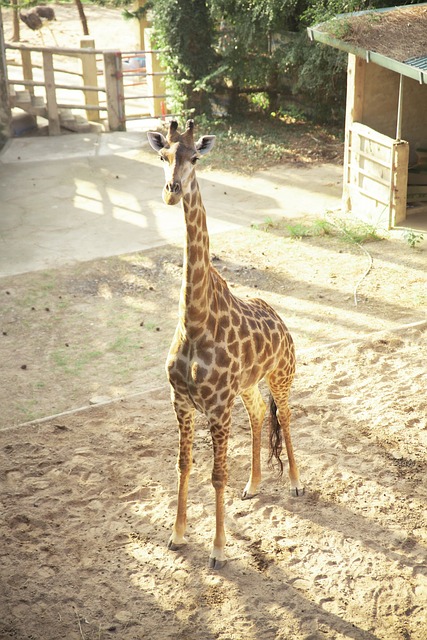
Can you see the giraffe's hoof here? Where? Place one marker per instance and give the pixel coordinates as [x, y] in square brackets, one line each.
[216, 564]
[173, 546]
[248, 496]
[297, 491]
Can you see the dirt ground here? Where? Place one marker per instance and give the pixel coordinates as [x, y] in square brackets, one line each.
[106, 26]
[88, 498]
[102, 329]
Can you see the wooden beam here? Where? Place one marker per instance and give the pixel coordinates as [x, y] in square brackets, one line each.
[115, 90]
[354, 113]
[399, 192]
[27, 68]
[143, 23]
[155, 79]
[90, 77]
[52, 107]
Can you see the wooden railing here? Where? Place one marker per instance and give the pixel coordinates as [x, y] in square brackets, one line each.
[102, 84]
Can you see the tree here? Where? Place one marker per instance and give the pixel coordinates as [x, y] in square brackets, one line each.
[241, 47]
[185, 31]
[16, 31]
[82, 17]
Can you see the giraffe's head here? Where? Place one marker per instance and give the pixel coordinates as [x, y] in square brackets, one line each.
[179, 153]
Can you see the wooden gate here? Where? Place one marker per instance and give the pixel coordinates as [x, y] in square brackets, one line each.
[375, 176]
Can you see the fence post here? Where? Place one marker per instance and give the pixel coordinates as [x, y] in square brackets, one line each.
[52, 106]
[27, 69]
[142, 23]
[90, 77]
[115, 92]
[155, 81]
[399, 182]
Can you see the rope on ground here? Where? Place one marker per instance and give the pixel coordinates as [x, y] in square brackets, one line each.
[344, 231]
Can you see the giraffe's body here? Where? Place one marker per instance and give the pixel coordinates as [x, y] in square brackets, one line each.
[223, 346]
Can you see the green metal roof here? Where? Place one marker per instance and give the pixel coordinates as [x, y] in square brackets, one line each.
[414, 67]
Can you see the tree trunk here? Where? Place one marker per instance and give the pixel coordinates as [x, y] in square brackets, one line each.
[82, 17]
[16, 34]
[273, 91]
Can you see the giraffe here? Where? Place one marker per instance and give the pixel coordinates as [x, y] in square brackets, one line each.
[222, 347]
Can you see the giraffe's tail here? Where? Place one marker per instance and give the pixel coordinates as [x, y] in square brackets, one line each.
[275, 437]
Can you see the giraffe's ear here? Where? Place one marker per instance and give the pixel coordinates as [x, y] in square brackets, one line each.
[156, 140]
[205, 144]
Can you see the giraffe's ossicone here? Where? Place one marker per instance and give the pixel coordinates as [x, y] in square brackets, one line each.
[223, 346]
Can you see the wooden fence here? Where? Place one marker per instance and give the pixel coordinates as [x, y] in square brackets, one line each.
[110, 87]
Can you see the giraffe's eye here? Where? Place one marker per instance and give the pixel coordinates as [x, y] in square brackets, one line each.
[162, 158]
[194, 160]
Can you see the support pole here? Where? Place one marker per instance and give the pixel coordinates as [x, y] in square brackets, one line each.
[399, 110]
[27, 68]
[90, 77]
[115, 92]
[52, 105]
[142, 24]
[155, 78]
[354, 113]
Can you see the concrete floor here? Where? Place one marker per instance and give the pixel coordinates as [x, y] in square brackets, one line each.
[416, 219]
[78, 197]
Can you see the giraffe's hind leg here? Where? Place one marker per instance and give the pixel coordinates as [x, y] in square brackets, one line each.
[255, 407]
[279, 383]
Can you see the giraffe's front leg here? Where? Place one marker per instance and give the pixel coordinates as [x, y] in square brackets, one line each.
[220, 431]
[185, 417]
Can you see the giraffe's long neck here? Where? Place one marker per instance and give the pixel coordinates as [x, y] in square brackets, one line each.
[194, 301]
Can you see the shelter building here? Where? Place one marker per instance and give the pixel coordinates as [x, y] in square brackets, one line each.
[385, 162]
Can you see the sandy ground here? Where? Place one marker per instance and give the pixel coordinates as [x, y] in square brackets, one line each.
[110, 32]
[88, 500]
[102, 328]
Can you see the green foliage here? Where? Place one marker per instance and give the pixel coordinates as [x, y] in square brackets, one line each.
[223, 47]
[248, 144]
[299, 231]
[239, 55]
[318, 11]
[317, 74]
[413, 238]
[353, 230]
[260, 101]
[349, 230]
[185, 31]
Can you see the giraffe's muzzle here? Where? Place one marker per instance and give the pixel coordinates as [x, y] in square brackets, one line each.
[172, 192]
